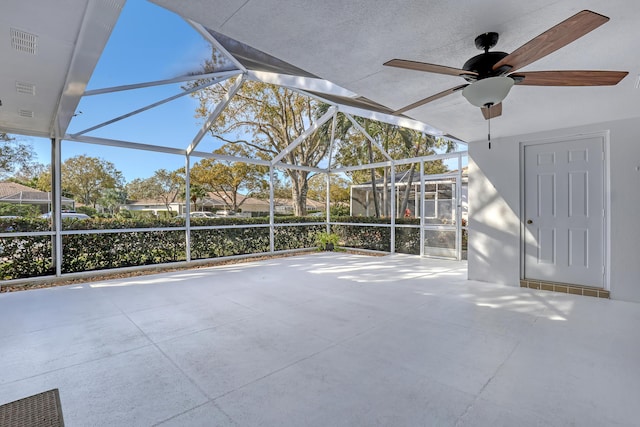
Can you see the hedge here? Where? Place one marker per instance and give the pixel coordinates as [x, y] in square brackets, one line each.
[22, 257]
[379, 238]
[31, 256]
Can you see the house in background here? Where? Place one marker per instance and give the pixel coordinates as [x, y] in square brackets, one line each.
[439, 196]
[14, 193]
[213, 202]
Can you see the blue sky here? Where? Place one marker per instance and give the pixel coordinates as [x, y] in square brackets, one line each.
[148, 43]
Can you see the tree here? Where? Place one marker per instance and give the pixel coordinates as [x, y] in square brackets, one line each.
[84, 178]
[139, 189]
[399, 143]
[87, 177]
[338, 189]
[268, 119]
[29, 175]
[163, 186]
[14, 154]
[111, 199]
[196, 192]
[227, 178]
[281, 189]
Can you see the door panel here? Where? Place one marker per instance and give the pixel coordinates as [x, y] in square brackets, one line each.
[564, 211]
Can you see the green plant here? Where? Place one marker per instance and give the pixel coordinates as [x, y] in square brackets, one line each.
[18, 210]
[88, 210]
[327, 241]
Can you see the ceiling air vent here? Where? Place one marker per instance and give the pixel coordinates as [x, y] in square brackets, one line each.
[23, 41]
[25, 113]
[25, 88]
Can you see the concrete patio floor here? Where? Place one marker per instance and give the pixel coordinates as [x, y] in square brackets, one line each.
[324, 339]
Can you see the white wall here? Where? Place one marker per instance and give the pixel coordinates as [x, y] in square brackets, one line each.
[494, 206]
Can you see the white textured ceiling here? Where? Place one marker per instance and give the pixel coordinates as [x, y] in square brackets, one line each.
[347, 43]
[69, 37]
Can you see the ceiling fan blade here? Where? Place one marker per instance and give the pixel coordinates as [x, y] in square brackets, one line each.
[569, 78]
[430, 68]
[429, 99]
[553, 39]
[492, 112]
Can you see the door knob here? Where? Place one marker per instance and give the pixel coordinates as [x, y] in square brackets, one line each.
[529, 221]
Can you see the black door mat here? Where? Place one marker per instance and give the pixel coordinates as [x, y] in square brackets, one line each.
[39, 410]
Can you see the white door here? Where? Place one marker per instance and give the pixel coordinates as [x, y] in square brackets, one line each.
[564, 211]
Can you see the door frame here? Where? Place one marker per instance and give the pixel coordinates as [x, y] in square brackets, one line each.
[605, 135]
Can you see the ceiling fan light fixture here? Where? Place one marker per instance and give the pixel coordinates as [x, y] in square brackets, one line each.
[489, 91]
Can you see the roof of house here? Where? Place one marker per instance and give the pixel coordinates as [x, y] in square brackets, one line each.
[403, 177]
[12, 192]
[219, 199]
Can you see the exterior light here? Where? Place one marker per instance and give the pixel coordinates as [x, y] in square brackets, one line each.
[489, 91]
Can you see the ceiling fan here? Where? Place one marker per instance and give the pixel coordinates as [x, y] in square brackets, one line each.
[490, 75]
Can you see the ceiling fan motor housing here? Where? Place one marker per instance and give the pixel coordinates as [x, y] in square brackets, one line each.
[483, 65]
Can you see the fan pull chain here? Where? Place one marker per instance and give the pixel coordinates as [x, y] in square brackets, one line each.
[489, 120]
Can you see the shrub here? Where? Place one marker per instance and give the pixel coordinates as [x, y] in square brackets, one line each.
[163, 240]
[31, 256]
[18, 210]
[88, 210]
[327, 241]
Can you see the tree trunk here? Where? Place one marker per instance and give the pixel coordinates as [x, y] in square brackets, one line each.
[299, 191]
[385, 192]
[373, 180]
[407, 190]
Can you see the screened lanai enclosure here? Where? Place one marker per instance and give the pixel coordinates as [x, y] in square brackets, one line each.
[267, 170]
[175, 140]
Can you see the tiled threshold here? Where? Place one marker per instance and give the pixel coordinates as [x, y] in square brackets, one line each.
[565, 288]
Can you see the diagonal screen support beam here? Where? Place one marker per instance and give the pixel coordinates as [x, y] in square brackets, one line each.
[369, 137]
[333, 138]
[207, 35]
[150, 106]
[322, 120]
[215, 113]
[217, 75]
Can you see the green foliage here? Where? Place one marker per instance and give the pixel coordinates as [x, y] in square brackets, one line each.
[86, 252]
[148, 215]
[364, 236]
[375, 237]
[23, 224]
[22, 257]
[338, 189]
[14, 154]
[111, 199]
[163, 186]
[298, 237]
[31, 256]
[267, 119]
[29, 174]
[339, 210]
[84, 178]
[220, 242]
[88, 210]
[327, 241]
[18, 209]
[226, 178]
[408, 240]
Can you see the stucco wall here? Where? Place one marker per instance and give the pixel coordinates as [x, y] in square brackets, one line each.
[494, 206]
